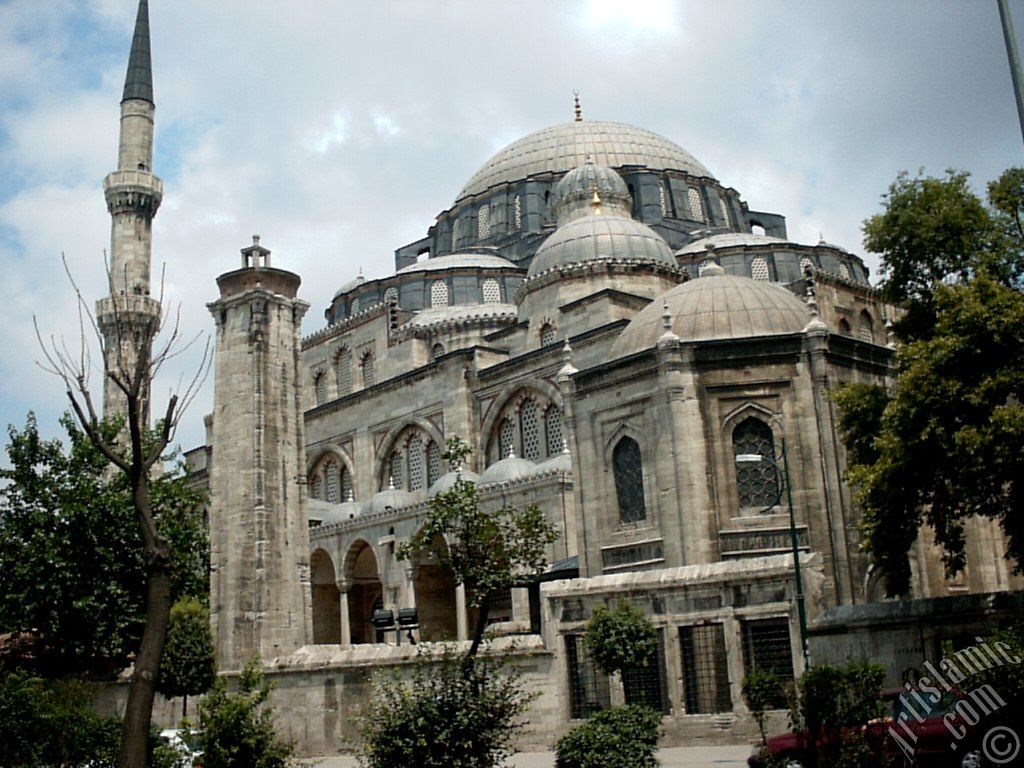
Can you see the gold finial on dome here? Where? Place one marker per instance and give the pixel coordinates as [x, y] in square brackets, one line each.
[576, 106]
[595, 201]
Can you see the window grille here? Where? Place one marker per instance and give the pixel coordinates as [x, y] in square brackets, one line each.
[331, 472]
[865, 331]
[439, 293]
[723, 207]
[346, 484]
[696, 207]
[767, 647]
[415, 454]
[588, 686]
[436, 351]
[518, 212]
[354, 306]
[547, 334]
[505, 438]
[704, 267]
[553, 430]
[627, 465]
[491, 291]
[663, 199]
[397, 475]
[456, 233]
[344, 371]
[806, 265]
[391, 294]
[844, 271]
[483, 222]
[433, 463]
[705, 669]
[529, 426]
[758, 484]
[649, 685]
[317, 491]
[759, 269]
[369, 374]
[320, 385]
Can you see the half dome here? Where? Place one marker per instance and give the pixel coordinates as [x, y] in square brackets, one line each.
[560, 148]
[717, 306]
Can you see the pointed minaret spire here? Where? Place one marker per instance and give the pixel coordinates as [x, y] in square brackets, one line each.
[138, 83]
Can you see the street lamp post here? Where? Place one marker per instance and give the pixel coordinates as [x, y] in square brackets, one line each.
[782, 472]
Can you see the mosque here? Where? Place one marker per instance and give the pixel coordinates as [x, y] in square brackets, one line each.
[615, 333]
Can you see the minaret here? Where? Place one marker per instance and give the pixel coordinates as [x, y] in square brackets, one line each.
[129, 316]
[259, 538]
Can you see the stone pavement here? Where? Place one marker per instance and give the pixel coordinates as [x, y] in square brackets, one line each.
[675, 757]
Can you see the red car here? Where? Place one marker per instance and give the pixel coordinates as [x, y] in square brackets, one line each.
[941, 738]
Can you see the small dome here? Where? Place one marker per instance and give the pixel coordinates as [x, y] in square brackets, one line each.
[350, 285]
[728, 240]
[574, 194]
[462, 312]
[456, 260]
[446, 481]
[329, 514]
[392, 498]
[508, 469]
[561, 462]
[601, 236]
[716, 306]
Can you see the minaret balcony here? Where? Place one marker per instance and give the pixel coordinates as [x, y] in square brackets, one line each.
[126, 307]
[133, 190]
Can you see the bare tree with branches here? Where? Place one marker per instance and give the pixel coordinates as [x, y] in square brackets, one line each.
[127, 328]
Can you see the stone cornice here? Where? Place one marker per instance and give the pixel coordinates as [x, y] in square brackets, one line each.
[606, 265]
[499, 319]
[342, 326]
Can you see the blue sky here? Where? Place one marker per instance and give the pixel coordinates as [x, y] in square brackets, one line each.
[338, 130]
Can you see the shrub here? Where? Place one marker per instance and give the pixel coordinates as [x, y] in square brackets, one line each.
[452, 714]
[761, 691]
[620, 637]
[236, 730]
[623, 737]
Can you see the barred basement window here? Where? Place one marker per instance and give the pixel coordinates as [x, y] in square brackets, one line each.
[649, 685]
[553, 430]
[317, 488]
[865, 330]
[320, 388]
[758, 484]
[505, 438]
[369, 374]
[344, 372]
[529, 426]
[346, 484]
[767, 647]
[547, 334]
[806, 265]
[483, 222]
[844, 271]
[705, 669]
[396, 465]
[439, 293]
[759, 269]
[391, 294]
[704, 267]
[491, 291]
[331, 473]
[627, 466]
[433, 463]
[588, 686]
[415, 454]
[696, 206]
[518, 212]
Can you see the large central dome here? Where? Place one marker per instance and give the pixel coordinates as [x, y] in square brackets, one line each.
[561, 148]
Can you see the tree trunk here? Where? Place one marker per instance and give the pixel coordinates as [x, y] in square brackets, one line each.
[184, 707]
[481, 625]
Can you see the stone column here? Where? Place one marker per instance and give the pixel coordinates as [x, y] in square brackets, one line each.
[461, 614]
[346, 621]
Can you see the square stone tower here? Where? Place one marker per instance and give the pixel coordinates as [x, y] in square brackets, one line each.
[259, 538]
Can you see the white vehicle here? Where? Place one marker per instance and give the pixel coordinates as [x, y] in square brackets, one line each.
[186, 742]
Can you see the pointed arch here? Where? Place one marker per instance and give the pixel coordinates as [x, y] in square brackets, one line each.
[396, 437]
[325, 598]
[628, 471]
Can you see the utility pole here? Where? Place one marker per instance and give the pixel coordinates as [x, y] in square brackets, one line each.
[1014, 57]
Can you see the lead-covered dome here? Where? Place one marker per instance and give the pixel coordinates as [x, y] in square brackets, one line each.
[561, 148]
[601, 236]
[717, 306]
[575, 192]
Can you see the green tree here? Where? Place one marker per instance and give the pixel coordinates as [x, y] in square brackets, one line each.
[71, 552]
[236, 730]
[620, 638]
[488, 552]
[623, 737]
[762, 691]
[187, 666]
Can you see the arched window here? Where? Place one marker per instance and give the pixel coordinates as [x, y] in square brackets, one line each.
[547, 334]
[505, 437]
[483, 222]
[331, 478]
[529, 427]
[391, 294]
[397, 469]
[518, 212]
[806, 265]
[439, 293]
[414, 451]
[343, 368]
[844, 327]
[757, 484]
[369, 374]
[663, 200]
[436, 351]
[320, 387]
[354, 306]
[433, 463]
[456, 233]
[491, 291]
[316, 489]
[627, 466]
[553, 430]
[696, 206]
[844, 271]
[723, 207]
[346, 484]
[866, 328]
[759, 269]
